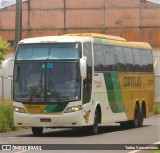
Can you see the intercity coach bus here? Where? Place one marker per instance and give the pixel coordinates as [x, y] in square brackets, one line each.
[82, 80]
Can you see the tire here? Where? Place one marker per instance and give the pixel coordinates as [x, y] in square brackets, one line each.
[141, 119]
[124, 124]
[135, 123]
[37, 131]
[94, 128]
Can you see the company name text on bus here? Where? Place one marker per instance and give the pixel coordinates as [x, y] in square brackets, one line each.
[132, 81]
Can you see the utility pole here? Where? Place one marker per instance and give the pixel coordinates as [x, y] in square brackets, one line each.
[18, 22]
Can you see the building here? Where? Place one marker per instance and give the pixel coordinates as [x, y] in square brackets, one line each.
[136, 20]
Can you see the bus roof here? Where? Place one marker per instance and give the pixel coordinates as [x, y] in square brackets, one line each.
[100, 36]
[87, 37]
[54, 39]
[131, 44]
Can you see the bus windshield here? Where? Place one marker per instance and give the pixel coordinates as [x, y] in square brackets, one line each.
[54, 51]
[47, 81]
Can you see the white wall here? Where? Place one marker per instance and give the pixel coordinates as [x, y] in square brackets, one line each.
[5, 86]
[156, 57]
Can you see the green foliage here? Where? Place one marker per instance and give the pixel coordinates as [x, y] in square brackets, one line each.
[6, 117]
[157, 108]
[4, 47]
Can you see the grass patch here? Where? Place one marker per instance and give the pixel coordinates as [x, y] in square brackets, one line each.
[6, 117]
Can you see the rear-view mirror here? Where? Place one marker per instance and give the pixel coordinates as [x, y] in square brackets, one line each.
[83, 67]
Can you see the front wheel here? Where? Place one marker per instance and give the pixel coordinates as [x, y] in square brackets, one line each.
[37, 131]
[94, 128]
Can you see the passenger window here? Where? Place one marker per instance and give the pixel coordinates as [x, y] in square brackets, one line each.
[128, 59]
[136, 60]
[143, 61]
[119, 58]
[99, 58]
[149, 61]
[109, 59]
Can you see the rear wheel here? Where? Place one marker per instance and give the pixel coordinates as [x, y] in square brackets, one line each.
[135, 123]
[37, 131]
[140, 124]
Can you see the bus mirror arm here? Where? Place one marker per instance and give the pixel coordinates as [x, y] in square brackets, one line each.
[83, 67]
[7, 68]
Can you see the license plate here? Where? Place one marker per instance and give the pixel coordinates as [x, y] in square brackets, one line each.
[45, 120]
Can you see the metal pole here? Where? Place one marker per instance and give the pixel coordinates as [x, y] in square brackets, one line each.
[28, 34]
[141, 3]
[65, 16]
[18, 22]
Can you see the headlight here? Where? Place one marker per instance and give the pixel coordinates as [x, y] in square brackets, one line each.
[19, 109]
[73, 109]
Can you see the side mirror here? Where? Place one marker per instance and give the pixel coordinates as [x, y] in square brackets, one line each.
[83, 67]
[7, 67]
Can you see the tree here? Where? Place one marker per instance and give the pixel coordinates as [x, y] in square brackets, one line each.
[4, 47]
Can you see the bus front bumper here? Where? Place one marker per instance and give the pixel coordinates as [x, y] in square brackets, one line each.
[74, 119]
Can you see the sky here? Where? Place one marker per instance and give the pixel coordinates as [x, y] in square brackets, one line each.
[154, 1]
[5, 3]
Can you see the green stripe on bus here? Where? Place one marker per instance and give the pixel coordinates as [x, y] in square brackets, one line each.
[55, 107]
[114, 92]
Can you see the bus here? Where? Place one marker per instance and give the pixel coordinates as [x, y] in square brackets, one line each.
[82, 80]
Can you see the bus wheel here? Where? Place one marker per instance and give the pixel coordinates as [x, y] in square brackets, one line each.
[140, 124]
[94, 127]
[37, 131]
[124, 124]
[135, 122]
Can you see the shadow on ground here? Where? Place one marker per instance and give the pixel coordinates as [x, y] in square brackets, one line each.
[77, 132]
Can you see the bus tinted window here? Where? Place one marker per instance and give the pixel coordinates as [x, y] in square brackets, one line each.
[31, 52]
[109, 59]
[128, 59]
[143, 57]
[87, 82]
[123, 59]
[118, 51]
[136, 60]
[149, 61]
[99, 62]
[64, 51]
[48, 51]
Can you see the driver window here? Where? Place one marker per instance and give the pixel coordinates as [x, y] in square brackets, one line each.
[87, 83]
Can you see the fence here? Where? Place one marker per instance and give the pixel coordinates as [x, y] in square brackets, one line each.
[6, 92]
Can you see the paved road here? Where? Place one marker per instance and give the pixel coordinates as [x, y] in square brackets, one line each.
[110, 134]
